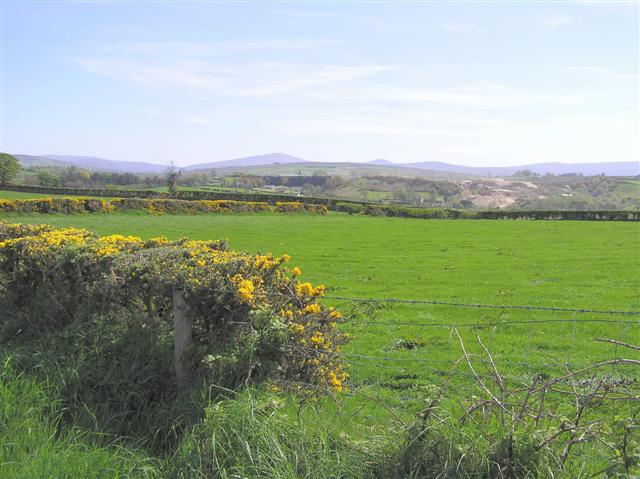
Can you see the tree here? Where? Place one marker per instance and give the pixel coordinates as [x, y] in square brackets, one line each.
[172, 177]
[9, 168]
[525, 173]
[48, 179]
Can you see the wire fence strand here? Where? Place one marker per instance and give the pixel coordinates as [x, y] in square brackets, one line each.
[479, 305]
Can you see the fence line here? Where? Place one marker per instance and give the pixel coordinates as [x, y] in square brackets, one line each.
[477, 305]
[495, 323]
[383, 361]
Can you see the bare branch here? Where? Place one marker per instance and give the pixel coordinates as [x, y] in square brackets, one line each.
[618, 343]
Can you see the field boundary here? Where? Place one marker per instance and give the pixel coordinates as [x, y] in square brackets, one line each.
[349, 206]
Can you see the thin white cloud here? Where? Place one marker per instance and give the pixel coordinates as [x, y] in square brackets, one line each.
[191, 118]
[485, 95]
[464, 28]
[202, 49]
[251, 80]
[558, 20]
[593, 71]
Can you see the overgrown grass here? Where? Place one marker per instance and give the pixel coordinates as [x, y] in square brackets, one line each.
[33, 444]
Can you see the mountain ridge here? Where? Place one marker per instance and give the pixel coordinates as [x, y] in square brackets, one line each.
[620, 168]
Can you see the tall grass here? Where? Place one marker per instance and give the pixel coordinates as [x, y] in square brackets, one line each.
[258, 435]
[33, 445]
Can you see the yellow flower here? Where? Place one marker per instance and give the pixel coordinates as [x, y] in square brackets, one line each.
[335, 382]
[245, 290]
[304, 289]
[297, 328]
[313, 309]
[295, 271]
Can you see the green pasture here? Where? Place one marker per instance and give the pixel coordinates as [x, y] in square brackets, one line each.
[400, 354]
[585, 265]
[23, 195]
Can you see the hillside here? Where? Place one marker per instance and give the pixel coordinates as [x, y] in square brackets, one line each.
[620, 168]
[30, 161]
[101, 164]
[284, 164]
[249, 161]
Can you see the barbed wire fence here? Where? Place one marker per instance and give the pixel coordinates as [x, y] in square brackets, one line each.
[539, 386]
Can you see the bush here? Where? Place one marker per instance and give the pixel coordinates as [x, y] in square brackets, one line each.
[55, 205]
[296, 207]
[183, 195]
[351, 208]
[169, 206]
[154, 206]
[245, 310]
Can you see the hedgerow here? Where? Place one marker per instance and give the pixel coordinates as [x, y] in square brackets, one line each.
[170, 206]
[154, 206]
[183, 195]
[447, 213]
[249, 313]
[55, 205]
[297, 207]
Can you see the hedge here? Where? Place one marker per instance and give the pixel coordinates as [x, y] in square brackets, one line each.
[444, 213]
[183, 195]
[352, 207]
[53, 279]
[156, 206]
[296, 207]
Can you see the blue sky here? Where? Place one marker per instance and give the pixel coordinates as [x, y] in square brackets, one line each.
[470, 83]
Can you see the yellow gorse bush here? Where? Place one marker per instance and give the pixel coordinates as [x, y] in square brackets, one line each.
[56, 275]
[297, 207]
[149, 205]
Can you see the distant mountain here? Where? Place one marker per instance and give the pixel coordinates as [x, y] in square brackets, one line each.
[621, 168]
[93, 163]
[380, 161]
[260, 160]
[28, 161]
[378, 166]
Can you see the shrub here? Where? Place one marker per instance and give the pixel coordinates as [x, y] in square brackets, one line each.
[154, 206]
[297, 207]
[246, 311]
[351, 208]
[55, 205]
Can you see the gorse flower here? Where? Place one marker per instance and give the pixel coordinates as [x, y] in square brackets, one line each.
[223, 288]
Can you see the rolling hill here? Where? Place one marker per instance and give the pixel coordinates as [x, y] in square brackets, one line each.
[282, 163]
[259, 160]
[621, 168]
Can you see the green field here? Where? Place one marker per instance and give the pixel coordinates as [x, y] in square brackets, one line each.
[23, 195]
[592, 265]
[400, 352]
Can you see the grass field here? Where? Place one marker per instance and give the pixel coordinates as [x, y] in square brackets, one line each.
[401, 353]
[22, 195]
[592, 265]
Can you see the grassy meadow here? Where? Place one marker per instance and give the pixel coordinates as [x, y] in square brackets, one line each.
[591, 265]
[400, 352]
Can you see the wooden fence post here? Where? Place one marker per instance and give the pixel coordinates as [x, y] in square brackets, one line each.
[183, 338]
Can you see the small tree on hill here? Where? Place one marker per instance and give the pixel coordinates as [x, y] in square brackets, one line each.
[9, 168]
[172, 177]
[48, 179]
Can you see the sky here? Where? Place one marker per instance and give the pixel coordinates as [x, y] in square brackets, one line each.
[492, 83]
